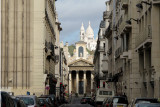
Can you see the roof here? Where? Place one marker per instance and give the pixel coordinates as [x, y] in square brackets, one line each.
[81, 42]
[80, 60]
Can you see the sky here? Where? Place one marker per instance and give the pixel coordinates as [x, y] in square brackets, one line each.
[71, 14]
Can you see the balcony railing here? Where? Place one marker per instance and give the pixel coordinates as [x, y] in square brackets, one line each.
[123, 23]
[144, 36]
[109, 52]
[108, 31]
[118, 52]
[156, 2]
[125, 4]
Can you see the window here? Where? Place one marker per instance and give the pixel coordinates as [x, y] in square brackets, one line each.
[101, 93]
[80, 51]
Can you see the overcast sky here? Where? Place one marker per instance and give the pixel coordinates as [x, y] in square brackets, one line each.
[72, 13]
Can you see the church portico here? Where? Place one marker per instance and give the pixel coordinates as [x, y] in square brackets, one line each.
[80, 77]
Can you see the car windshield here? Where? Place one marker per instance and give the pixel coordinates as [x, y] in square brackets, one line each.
[147, 101]
[105, 92]
[28, 100]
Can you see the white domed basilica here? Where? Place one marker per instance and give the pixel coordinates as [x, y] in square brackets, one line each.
[88, 37]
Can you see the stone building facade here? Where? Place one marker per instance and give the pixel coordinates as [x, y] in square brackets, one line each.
[29, 30]
[148, 47]
[133, 47]
[81, 71]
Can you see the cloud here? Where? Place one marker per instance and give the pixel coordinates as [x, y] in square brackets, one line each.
[72, 13]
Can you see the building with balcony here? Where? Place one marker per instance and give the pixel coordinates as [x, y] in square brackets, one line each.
[29, 32]
[148, 47]
[100, 56]
[133, 47]
[122, 58]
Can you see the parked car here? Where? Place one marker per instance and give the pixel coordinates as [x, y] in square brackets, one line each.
[116, 101]
[104, 102]
[29, 100]
[18, 102]
[6, 100]
[85, 100]
[52, 99]
[147, 105]
[45, 102]
[143, 100]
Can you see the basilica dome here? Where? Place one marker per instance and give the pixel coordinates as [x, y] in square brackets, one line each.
[89, 31]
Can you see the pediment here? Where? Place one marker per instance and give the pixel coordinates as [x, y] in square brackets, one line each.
[81, 62]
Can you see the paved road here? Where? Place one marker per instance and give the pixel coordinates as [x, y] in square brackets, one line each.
[75, 102]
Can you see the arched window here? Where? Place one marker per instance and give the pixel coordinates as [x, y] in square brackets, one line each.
[80, 51]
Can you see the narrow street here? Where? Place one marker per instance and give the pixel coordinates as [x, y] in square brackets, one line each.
[75, 102]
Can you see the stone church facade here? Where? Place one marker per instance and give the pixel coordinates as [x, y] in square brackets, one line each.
[81, 66]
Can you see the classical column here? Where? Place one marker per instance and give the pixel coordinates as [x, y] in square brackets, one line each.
[84, 76]
[70, 82]
[77, 80]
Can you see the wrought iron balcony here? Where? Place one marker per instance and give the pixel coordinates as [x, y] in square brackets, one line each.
[118, 52]
[125, 4]
[123, 25]
[144, 37]
[109, 52]
[156, 2]
[108, 31]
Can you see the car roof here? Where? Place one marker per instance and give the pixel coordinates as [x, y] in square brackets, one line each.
[148, 104]
[31, 96]
[42, 97]
[145, 98]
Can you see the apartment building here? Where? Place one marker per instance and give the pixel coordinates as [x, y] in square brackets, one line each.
[28, 46]
[100, 56]
[133, 47]
[148, 47]
[122, 57]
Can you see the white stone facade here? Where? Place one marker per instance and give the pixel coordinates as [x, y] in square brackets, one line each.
[88, 37]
